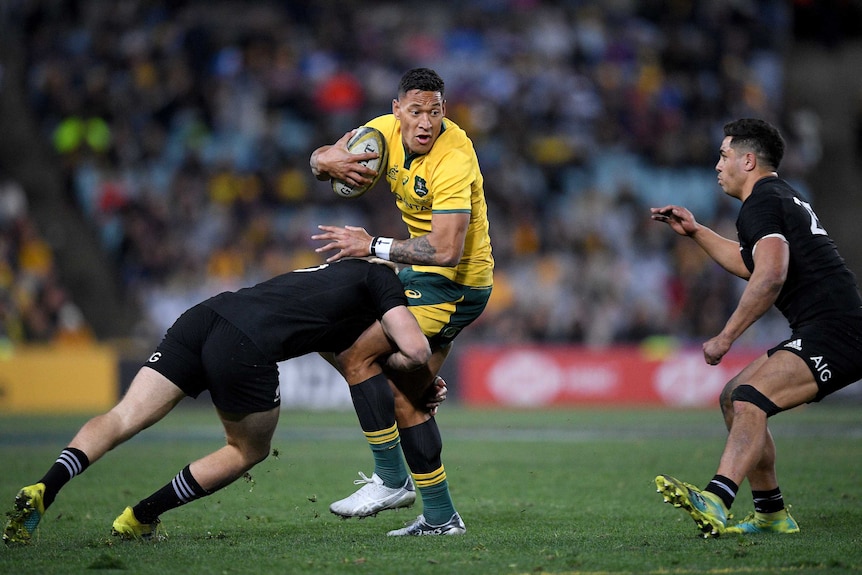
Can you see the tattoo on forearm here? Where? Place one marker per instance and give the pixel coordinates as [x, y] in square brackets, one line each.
[414, 251]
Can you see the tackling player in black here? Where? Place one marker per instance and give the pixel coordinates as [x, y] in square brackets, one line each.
[790, 262]
[229, 345]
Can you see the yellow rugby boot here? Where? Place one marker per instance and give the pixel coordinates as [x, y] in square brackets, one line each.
[707, 510]
[778, 522]
[27, 512]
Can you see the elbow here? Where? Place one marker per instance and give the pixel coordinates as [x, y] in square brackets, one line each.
[417, 357]
[450, 258]
[776, 287]
[450, 262]
[771, 287]
[775, 282]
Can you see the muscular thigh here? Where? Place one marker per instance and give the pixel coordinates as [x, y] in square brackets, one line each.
[782, 377]
[250, 430]
[830, 349]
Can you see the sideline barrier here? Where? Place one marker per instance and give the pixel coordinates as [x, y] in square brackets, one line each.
[62, 379]
[58, 379]
[569, 376]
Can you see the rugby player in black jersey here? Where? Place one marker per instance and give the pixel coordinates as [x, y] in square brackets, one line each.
[790, 262]
[229, 345]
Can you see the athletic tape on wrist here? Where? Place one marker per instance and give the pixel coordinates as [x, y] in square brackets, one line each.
[380, 247]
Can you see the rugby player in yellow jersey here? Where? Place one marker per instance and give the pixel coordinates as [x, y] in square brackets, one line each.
[434, 175]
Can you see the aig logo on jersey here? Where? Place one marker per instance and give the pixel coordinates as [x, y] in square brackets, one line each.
[821, 367]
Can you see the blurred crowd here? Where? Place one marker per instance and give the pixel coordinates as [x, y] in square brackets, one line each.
[34, 305]
[184, 129]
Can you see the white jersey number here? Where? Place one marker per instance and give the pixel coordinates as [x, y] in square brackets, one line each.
[816, 228]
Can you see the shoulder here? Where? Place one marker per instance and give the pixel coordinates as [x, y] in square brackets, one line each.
[453, 145]
[386, 123]
[380, 272]
[349, 270]
[385, 287]
[773, 187]
[764, 193]
[454, 136]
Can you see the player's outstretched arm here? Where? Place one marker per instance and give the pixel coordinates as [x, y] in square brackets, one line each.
[771, 263]
[724, 251]
[444, 246]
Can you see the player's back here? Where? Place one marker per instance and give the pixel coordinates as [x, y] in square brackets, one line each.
[324, 308]
[818, 284]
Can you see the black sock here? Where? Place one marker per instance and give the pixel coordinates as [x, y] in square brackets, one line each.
[724, 488]
[374, 403]
[181, 490]
[70, 462]
[768, 501]
[375, 409]
[422, 446]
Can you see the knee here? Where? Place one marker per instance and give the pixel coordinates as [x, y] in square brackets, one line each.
[724, 400]
[246, 455]
[256, 454]
[745, 397]
[353, 366]
[119, 425]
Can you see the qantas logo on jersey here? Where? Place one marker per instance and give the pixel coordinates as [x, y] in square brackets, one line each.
[411, 206]
[795, 344]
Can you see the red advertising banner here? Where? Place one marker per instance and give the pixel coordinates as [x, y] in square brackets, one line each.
[545, 376]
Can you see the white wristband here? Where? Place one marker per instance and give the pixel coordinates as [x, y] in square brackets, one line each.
[380, 247]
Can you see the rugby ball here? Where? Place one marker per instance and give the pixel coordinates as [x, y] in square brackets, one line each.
[366, 139]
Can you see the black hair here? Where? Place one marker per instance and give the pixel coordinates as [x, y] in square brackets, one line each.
[422, 79]
[760, 137]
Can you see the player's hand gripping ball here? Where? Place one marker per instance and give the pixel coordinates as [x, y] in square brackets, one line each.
[366, 139]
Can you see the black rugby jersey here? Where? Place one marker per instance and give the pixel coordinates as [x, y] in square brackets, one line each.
[324, 308]
[818, 284]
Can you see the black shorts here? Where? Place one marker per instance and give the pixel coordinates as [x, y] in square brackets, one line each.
[203, 351]
[832, 348]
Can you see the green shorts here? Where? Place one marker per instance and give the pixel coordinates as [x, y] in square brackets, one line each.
[442, 307]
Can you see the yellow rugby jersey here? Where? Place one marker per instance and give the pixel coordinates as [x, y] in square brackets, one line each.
[445, 180]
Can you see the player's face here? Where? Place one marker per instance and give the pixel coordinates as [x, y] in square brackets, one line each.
[421, 115]
[730, 168]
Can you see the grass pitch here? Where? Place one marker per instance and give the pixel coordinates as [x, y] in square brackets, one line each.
[541, 492]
